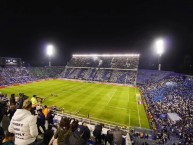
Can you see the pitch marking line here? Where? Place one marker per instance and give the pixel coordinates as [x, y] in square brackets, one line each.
[111, 97]
[128, 96]
[138, 109]
[129, 117]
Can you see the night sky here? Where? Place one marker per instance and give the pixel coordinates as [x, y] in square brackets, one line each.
[98, 27]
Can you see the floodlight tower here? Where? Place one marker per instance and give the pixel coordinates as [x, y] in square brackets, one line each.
[159, 46]
[50, 49]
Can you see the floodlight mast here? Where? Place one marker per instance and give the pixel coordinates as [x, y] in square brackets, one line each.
[159, 46]
[50, 52]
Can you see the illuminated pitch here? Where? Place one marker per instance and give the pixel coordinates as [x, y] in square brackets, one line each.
[117, 105]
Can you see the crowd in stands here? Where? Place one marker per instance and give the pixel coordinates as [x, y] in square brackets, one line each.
[101, 75]
[45, 72]
[170, 93]
[20, 75]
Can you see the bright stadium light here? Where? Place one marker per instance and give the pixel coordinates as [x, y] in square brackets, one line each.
[50, 52]
[159, 46]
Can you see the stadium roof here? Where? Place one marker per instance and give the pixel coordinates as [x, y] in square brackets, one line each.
[105, 55]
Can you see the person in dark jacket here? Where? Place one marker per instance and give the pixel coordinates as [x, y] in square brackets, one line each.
[12, 99]
[2, 110]
[117, 135]
[74, 125]
[41, 121]
[76, 137]
[86, 135]
[50, 117]
[109, 137]
[48, 135]
[2, 135]
[11, 111]
[63, 132]
[97, 133]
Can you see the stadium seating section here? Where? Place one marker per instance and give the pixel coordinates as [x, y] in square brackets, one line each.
[110, 69]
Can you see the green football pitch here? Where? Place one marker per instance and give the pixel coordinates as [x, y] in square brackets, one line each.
[103, 102]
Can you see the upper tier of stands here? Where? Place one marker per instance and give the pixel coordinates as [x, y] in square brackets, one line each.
[105, 61]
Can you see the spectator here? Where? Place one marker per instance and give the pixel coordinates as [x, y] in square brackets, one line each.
[117, 136]
[2, 135]
[50, 117]
[48, 135]
[74, 125]
[86, 134]
[109, 138]
[2, 110]
[12, 99]
[8, 140]
[45, 111]
[63, 132]
[34, 104]
[23, 125]
[11, 111]
[41, 121]
[97, 133]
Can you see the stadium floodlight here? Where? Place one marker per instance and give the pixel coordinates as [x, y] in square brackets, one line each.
[159, 46]
[50, 52]
[105, 55]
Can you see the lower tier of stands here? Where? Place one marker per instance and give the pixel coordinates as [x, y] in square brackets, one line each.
[102, 75]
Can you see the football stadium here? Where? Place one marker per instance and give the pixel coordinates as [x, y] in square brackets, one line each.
[107, 89]
[96, 73]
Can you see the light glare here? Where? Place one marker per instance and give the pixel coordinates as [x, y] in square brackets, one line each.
[159, 45]
[50, 49]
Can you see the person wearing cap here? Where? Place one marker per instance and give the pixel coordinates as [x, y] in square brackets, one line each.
[23, 125]
[34, 101]
[8, 140]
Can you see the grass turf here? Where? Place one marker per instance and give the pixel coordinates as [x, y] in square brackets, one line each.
[105, 103]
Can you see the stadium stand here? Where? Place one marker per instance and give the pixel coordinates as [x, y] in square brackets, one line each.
[104, 68]
[20, 75]
[165, 93]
